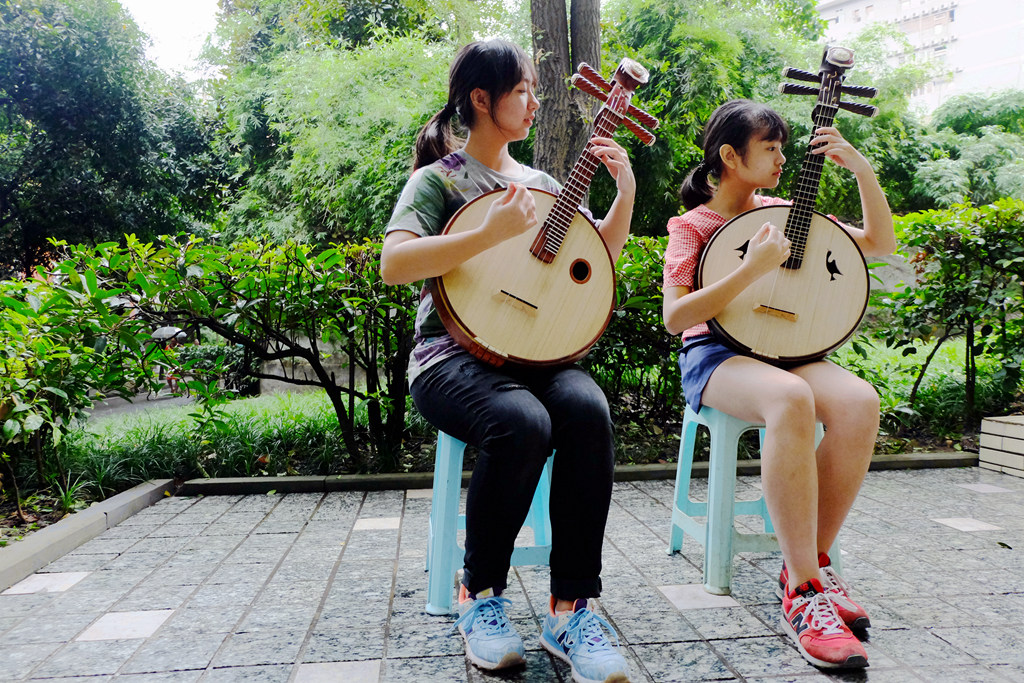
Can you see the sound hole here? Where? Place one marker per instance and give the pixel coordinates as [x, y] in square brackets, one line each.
[579, 271]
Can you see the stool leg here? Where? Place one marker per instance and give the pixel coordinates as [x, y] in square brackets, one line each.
[539, 518]
[442, 543]
[684, 471]
[721, 496]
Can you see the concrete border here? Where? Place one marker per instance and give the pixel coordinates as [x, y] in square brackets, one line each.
[425, 480]
[23, 558]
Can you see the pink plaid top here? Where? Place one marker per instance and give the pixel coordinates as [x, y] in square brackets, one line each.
[687, 235]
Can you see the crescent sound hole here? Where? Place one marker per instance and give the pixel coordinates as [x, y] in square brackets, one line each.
[580, 271]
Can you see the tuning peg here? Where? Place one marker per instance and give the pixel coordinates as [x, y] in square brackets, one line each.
[858, 108]
[800, 75]
[860, 90]
[597, 82]
[591, 74]
[645, 136]
[794, 89]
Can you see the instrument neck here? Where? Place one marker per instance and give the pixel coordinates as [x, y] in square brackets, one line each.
[556, 226]
[805, 195]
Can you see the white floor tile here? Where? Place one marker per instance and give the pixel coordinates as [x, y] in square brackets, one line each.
[967, 524]
[985, 488]
[419, 493]
[126, 625]
[330, 672]
[693, 596]
[46, 583]
[377, 523]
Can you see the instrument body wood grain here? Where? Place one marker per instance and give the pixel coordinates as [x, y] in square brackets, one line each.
[789, 315]
[522, 309]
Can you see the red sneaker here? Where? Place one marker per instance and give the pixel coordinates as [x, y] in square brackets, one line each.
[852, 614]
[809, 617]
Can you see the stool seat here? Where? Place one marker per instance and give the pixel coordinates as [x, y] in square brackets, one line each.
[717, 533]
[444, 554]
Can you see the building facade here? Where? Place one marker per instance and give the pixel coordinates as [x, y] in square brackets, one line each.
[978, 44]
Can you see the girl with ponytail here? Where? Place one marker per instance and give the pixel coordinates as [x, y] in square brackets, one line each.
[808, 491]
[514, 416]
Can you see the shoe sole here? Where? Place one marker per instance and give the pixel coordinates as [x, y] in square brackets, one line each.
[851, 662]
[509, 660]
[558, 652]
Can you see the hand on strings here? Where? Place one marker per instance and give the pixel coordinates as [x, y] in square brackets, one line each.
[830, 142]
[616, 160]
[768, 249]
[511, 214]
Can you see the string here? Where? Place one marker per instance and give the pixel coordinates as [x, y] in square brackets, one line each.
[801, 213]
[555, 225]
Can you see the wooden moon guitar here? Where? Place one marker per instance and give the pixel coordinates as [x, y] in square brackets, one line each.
[544, 297]
[815, 300]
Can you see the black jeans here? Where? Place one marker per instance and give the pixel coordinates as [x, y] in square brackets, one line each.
[516, 417]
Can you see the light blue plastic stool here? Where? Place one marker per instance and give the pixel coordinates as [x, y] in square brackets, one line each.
[444, 554]
[718, 533]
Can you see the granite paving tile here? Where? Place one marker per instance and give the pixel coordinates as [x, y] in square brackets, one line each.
[682, 661]
[328, 588]
[260, 648]
[88, 658]
[174, 652]
[162, 677]
[250, 674]
[21, 658]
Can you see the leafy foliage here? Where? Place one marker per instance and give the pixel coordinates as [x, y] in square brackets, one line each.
[969, 263]
[94, 142]
[291, 305]
[327, 146]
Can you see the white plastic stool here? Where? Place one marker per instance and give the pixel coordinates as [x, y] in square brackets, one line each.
[444, 554]
[718, 533]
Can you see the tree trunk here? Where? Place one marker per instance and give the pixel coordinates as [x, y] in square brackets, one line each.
[557, 125]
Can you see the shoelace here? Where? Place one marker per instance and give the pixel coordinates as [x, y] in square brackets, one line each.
[834, 583]
[489, 613]
[587, 628]
[824, 616]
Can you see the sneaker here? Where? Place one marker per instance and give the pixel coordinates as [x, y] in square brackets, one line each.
[491, 642]
[578, 637]
[809, 617]
[852, 614]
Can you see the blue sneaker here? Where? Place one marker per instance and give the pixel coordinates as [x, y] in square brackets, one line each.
[491, 642]
[578, 637]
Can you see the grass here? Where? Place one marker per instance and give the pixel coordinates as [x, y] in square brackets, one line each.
[297, 433]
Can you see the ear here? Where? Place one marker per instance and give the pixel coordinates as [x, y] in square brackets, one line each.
[729, 156]
[481, 100]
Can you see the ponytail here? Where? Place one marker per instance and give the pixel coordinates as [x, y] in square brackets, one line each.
[437, 138]
[696, 189]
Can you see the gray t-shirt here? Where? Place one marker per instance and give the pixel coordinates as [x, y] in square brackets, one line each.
[431, 197]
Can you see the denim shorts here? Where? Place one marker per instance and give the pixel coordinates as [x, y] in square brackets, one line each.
[697, 360]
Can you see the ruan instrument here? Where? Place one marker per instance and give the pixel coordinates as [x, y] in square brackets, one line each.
[814, 301]
[544, 297]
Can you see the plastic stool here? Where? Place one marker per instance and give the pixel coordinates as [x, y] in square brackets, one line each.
[444, 554]
[718, 533]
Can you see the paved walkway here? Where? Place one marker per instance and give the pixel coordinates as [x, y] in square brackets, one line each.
[310, 587]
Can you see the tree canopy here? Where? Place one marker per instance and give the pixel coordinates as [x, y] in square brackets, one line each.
[94, 140]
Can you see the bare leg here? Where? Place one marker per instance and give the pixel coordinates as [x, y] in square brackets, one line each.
[848, 406]
[783, 401]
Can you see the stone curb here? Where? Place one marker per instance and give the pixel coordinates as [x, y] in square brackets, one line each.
[425, 480]
[42, 547]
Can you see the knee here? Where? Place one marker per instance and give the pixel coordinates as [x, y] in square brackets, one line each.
[792, 401]
[522, 430]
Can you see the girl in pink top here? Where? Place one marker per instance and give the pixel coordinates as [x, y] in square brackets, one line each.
[809, 492]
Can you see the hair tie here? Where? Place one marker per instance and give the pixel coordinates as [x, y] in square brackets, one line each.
[450, 109]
